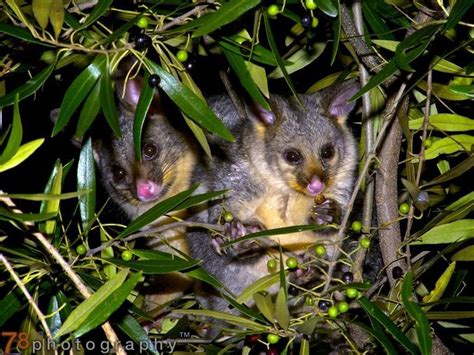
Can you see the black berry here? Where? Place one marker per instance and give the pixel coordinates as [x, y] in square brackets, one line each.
[272, 351]
[245, 47]
[323, 305]
[292, 290]
[252, 339]
[397, 272]
[306, 21]
[141, 41]
[154, 80]
[347, 277]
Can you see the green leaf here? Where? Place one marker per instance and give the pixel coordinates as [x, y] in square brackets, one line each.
[21, 33]
[199, 135]
[190, 103]
[422, 326]
[300, 59]
[86, 181]
[144, 102]
[156, 267]
[304, 347]
[446, 122]
[107, 101]
[457, 12]
[109, 305]
[92, 305]
[444, 91]
[52, 206]
[375, 21]
[22, 154]
[77, 92]
[453, 173]
[261, 284]
[99, 10]
[441, 284]
[414, 45]
[135, 331]
[24, 217]
[89, 111]
[449, 145]
[258, 53]
[448, 233]
[327, 7]
[10, 304]
[238, 65]
[387, 71]
[337, 34]
[54, 320]
[28, 88]
[197, 199]
[465, 254]
[45, 196]
[56, 16]
[16, 135]
[274, 48]
[263, 301]
[203, 275]
[156, 211]
[227, 13]
[282, 314]
[377, 332]
[235, 320]
[41, 9]
[379, 316]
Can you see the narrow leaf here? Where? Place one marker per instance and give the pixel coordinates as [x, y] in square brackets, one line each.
[86, 181]
[261, 284]
[457, 12]
[96, 13]
[52, 206]
[56, 16]
[107, 101]
[448, 233]
[282, 314]
[24, 217]
[16, 135]
[22, 154]
[41, 9]
[446, 122]
[449, 145]
[441, 284]
[227, 13]
[21, 33]
[92, 304]
[77, 92]
[89, 111]
[264, 304]
[135, 331]
[156, 267]
[387, 71]
[156, 211]
[465, 254]
[327, 6]
[146, 97]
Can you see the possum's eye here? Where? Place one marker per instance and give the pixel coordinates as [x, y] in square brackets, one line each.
[118, 173]
[327, 151]
[292, 156]
[149, 151]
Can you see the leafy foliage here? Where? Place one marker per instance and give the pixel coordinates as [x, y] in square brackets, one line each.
[66, 54]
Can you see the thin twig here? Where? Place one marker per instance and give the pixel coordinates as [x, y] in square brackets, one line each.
[182, 18]
[30, 299]
[156, 230]
[108, 330]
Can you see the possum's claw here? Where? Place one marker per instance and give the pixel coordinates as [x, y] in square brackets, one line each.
[232, 231]
[325, 211]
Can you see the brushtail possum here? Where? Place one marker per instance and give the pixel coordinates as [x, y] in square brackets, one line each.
[282, 160]
[168, 158]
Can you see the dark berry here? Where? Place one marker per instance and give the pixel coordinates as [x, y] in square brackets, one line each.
[252, 339]
[347, 277]
[292, 290]
[397, 272]
[323, 305]
[154, 80]
[306, 21]
[141, 41]
[245, 47]
[272, 351]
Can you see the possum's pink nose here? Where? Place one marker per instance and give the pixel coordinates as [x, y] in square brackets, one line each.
[147, 190]
[315, 186]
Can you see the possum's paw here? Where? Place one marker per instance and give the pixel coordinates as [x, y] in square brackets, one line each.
[232, 231]
[325, 211]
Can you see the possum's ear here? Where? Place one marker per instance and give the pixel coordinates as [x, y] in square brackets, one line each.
[129, 87]
[97, 148]
[337, 97]
[261, 115]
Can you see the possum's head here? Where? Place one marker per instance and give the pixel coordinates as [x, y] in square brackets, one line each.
[138, 184]
[309, 146]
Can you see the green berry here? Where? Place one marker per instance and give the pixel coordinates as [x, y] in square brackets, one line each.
[314, 22]
[182, 55]
[273, 10]
[356, 226]
[142, 22]
[352, 293]
[271, 264]
[364, 242]
[427, 142]
[404, 208]
[343, 307]
[228, 217]
[333, 312]
[127, 255]
[273, 338]
[310, 4]
[291, 262]
[81, 249]
[320, 250]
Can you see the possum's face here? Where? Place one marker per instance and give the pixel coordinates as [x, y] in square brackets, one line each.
[308, 148]
[138, 185]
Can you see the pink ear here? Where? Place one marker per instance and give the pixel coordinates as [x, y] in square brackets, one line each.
[133, 88]
[339, 105]
[265, 116]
